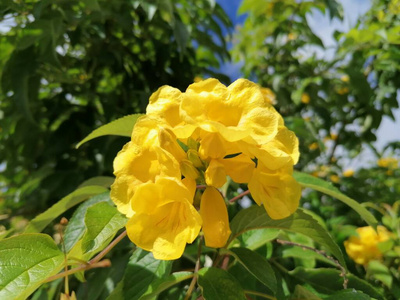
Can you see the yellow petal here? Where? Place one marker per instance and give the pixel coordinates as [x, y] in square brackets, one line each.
[212, 146]
[215, 218]
[164, 103]
[278, 192]
[240, 168]
[168, 141]
[215, 174]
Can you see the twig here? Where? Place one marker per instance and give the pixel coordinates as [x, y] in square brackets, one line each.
[259, 294]
[196, 269]
[93, 263]
[323, 253]
[239, 196]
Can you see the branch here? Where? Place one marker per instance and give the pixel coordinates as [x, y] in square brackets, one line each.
[239, 196]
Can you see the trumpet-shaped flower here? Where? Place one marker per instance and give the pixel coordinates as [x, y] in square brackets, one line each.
[164, 218]
[364, 247]
[277, 191]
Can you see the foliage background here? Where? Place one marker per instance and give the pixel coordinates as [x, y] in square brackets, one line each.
[68, 67]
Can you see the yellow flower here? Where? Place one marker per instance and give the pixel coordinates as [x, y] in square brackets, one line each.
[364, 247]
[269, 96]
[343, 90]
[334, 178]
[237, 112]
[313, 146]
[278, 191]
[348, 173]
[215, 218]
[388, 162]
[164, 218]
[197, 79]
[291, 36]
[345, 78]
[197, 137]
[305, 98]
[134, 166]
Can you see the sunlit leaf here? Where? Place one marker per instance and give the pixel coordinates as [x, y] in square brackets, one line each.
[26, 261]
[121, 127]
[320, 185]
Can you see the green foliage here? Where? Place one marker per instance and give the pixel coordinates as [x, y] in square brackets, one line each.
[26, 261]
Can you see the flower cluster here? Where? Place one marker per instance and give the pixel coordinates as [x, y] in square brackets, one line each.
[364, 247]
[199, 138]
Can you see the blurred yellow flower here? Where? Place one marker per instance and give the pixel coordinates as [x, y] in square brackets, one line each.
[197, 79]
[345, 78]
[305, 98]
[364, 247]
[313, 146]
[348, 173]
[291, 36]
[343, 90]
[334, 178]
[388, 162]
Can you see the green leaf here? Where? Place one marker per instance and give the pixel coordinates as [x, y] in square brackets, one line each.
[72, 199]
[141, 271]
[255, 217]
[102, 223]
[329, 281]
[104, 181]
[254, 239]
[301, 293]
[381, 272]
[217, 284]
[121, 127]
[320, 185]
[163, 284]
[26, 261]
[76, 225]
[257, 265]
[348, 295]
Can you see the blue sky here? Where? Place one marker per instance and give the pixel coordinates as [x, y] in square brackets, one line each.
[324, 28]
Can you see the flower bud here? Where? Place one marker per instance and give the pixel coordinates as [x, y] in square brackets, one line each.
[168, 142]
[193, 156]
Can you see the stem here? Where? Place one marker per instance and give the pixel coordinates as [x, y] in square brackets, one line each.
[196, 269]
[225, 262]
[259, 294]
[338, 265]
[239, 196]
[93, 263]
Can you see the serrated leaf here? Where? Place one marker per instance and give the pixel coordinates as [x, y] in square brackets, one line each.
[120, 127]
[141, 271]
[306, 180]
[102, 223]
[257, 265]
[329, 281]
[72, 199]
[163, 284]
[217, 284]
[26, 261]
[255, 217]
[76, 225]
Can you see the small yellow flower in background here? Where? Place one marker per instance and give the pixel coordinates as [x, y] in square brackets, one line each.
[364, 247]
[291, 36]
[335, 178]
[203, 135]
[197, 79]
[348, 173]
[388, 162]
[305, 98]
[343, 90]
[313, 146]
[334, 136]
[345, 78]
